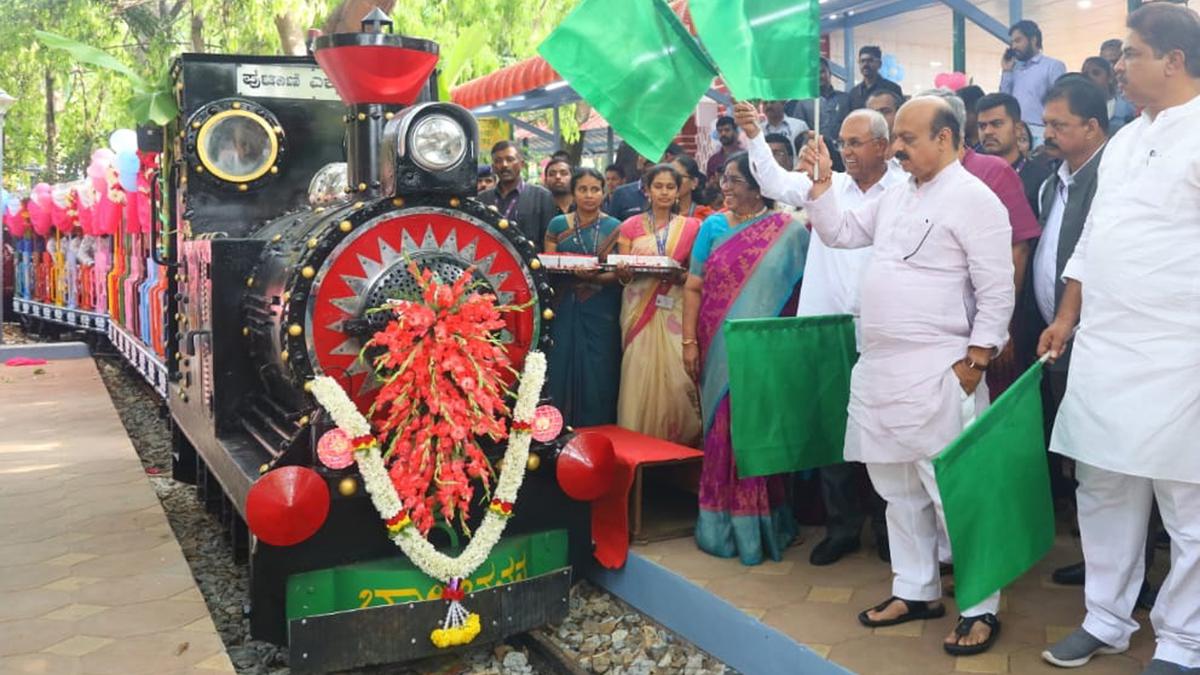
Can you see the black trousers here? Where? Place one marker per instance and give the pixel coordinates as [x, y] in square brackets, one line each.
[849, 499]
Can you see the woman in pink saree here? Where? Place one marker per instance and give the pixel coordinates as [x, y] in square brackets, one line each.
[745, 264]
[657, 398]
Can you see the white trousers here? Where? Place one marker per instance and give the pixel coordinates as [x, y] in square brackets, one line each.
[1113, 512]
[914, 516]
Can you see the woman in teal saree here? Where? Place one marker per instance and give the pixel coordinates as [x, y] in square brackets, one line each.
[584, 365]
[745, 264]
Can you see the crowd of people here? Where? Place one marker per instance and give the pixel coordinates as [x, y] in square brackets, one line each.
[969, 233]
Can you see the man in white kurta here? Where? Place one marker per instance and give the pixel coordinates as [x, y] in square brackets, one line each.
[1131, 413]
[936, 298]
[831, 281]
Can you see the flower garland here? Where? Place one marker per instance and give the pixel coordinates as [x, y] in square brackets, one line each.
[443, 368]
[459, 627]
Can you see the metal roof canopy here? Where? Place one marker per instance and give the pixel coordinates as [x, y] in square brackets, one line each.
[841, 15]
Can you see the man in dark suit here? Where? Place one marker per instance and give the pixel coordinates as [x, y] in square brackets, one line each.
[531, 207]
[870, 60]
[1076, 115]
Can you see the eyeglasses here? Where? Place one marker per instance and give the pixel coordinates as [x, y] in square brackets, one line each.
[852, 144]
[731, 180]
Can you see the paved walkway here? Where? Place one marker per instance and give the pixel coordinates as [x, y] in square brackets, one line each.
[91, 577]
[819, 606]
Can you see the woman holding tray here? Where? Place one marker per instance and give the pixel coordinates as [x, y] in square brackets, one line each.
[657, 396]
[582, 366]
[745, 265]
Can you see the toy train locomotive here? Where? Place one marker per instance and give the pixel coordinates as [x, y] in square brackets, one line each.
[277, 255]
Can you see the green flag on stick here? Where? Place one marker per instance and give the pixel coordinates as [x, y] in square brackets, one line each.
[637, 65]
[789, 385]
[995, 489]
[768, 49]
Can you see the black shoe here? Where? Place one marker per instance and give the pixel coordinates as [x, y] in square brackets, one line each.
[1071, 575]
[831, 550]
[884, 549]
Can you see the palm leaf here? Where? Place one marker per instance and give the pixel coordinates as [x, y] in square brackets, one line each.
[90, 55]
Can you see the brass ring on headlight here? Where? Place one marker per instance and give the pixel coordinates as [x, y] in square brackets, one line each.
[212, 165]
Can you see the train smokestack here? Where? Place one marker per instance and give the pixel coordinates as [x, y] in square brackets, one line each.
[375, 72]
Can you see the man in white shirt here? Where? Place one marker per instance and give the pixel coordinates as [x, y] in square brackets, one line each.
[1131, 414]
[831, 278]
[779, 123]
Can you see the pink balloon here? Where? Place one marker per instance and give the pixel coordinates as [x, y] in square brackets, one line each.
[952, 81]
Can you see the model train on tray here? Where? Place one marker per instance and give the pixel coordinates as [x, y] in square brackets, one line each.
[294, 194]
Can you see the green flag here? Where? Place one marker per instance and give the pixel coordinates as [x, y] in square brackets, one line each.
[768, 49]
[995, 489]
[789, 385]
[636, 64]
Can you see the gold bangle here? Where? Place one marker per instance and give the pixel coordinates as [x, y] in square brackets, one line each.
[692, 341]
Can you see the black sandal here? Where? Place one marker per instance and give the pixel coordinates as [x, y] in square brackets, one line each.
[918, 610]
[963, 629]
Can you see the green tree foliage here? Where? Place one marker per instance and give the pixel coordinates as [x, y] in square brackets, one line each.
[145, 35]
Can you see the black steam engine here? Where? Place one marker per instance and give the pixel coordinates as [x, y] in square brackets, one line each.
[300, 190]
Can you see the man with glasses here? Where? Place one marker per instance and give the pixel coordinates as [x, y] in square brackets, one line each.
[870, 60]
[831, 278]
[1131, 414]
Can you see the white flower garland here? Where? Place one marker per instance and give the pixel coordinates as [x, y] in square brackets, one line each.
[383, 494]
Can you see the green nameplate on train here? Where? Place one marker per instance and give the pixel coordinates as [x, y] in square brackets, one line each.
[396, 580]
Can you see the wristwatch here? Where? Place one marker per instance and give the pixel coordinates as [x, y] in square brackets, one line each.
[970, 363]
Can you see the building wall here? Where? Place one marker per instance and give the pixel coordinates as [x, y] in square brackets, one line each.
[923, 40]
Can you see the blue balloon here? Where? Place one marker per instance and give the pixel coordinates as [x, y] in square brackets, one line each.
[127, 164]
[899, 74]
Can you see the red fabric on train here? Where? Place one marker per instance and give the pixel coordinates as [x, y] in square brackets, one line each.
[610, 513]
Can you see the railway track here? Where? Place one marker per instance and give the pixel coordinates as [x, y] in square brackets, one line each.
[546, 656]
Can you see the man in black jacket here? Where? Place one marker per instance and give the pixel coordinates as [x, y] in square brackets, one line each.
[870, 60]
[1076, 114]
[531, 207]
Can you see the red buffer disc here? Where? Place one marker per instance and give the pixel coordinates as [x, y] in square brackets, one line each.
[288, 505]
[586, 466]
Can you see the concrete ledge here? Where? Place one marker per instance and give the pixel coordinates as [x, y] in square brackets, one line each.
[51, 351]
[709, 622]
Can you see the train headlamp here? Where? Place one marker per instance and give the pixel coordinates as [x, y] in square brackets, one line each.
[437, 143]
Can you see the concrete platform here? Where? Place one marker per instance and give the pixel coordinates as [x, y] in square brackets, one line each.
[91, 577]
[817, 607]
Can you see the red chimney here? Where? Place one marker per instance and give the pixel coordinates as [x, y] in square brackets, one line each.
[374, 66]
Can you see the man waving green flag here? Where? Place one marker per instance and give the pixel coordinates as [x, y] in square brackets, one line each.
[767, 49]
[637, 65]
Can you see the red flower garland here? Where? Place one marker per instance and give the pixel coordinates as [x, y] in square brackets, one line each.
[443, 389]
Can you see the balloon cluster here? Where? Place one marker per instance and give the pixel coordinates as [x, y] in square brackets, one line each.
[891, 68]
[16, 218]
[117, 181]
[952, 81]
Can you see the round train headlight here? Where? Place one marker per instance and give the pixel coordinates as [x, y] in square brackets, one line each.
[437, 143]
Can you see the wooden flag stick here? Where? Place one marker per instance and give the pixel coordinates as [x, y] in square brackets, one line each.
[816, 135]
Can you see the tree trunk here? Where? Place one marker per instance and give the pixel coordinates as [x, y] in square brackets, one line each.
[582, 112]
[291, 35]
[348, 15]
[51, 172]
[197, 30]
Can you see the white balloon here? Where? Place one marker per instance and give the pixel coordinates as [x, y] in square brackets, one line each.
[122, 140]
